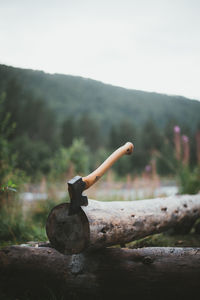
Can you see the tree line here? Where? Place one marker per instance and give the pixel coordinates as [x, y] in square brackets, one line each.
[35, 143]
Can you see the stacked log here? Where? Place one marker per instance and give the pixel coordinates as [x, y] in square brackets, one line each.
[111, 273]
[103, 224]
[82, 266]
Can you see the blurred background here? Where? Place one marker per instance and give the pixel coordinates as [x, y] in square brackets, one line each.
[78, 79]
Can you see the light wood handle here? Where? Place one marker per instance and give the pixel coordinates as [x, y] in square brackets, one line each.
[96, 175]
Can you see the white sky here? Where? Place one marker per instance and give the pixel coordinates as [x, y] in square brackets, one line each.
[151, 45]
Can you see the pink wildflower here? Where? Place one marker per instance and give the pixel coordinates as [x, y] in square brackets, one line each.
[185, 138]
[177, 142]
[148, 168]
[177, 129]
[186, 150]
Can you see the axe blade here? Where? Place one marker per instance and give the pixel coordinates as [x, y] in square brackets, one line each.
[75, 187]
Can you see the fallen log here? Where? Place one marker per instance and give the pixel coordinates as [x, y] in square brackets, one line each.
[110, 273]
[102, 224]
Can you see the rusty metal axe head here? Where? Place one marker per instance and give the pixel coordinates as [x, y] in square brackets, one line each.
[78, 184]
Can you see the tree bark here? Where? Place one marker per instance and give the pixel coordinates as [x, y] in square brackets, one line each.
[110, 273]
[102, 224]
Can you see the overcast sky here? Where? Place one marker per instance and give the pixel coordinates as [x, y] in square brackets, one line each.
[150, 45]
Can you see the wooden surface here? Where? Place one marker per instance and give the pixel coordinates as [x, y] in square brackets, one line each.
[102, 224]
[111, 273]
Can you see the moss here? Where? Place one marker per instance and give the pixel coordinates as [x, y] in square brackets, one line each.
[167, 240]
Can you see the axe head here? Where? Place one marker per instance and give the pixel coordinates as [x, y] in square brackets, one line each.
[75, 187]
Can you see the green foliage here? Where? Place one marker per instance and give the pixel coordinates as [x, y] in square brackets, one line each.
[48, 109]
[50, 123]
[39, 111]
[40, 211]
[85, 127]
[10, 176]
[99, 156]
[9, 186]
[167, 240]
[28, 133]
[19, 225]
[189, 181]
[71, 96]
[152, 137]
[21, 222]
[166, 162]
[79, 156]
[68, 132]
[12, 223]
[6, 158]
[122, 133]
[88, 129]
[30, 115]
[34, 157]
[59, 163]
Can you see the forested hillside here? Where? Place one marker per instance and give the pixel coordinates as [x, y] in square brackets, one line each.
[51, 122]
[73, 96]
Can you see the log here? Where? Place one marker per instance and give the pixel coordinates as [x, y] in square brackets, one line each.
[103, 224]
[110, 273]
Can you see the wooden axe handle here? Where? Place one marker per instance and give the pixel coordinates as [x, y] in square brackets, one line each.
[94, 176]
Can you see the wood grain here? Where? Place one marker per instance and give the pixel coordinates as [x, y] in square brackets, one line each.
[112, 273]
[103, 224]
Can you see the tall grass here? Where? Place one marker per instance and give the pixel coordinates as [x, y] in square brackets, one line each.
[20, 222]
[189, 179]
[13, 226]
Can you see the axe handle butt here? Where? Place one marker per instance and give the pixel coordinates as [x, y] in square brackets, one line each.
[99, 172]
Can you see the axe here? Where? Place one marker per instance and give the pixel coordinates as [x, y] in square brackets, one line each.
[78, 184]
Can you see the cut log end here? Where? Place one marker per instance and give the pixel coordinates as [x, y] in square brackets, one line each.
[103, 224]
[68, 234]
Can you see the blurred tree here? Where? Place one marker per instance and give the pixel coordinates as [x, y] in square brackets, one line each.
[139, 160]
[79, 156]
[68, 132]
[119, 135]
[60, 163]
[152, 139]
[13, 104]
[33, 157]
[35, 138]
[122, 133]
[39, 122]
[31, 116]
[88, 129]
[169, 132]
[7, 158]
[113, 138]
